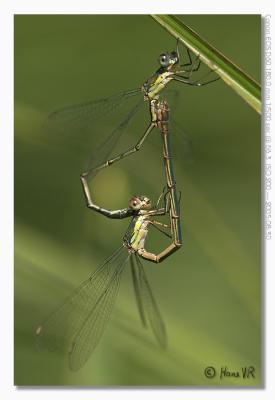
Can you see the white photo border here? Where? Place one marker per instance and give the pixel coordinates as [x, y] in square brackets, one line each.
[8, 391]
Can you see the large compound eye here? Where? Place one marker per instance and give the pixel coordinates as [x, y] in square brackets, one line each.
[164, 59]
[134, 203]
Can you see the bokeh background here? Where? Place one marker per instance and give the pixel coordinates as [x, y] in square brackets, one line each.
[210, 291]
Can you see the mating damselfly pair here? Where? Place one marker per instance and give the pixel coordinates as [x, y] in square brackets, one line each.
[80, 321]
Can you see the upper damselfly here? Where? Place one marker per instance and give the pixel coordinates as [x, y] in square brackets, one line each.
[84, 114]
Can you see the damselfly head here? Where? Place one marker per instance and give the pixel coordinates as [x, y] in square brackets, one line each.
[166, 59]
[140, 203]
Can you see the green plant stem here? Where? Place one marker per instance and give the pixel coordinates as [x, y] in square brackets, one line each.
[231, 74]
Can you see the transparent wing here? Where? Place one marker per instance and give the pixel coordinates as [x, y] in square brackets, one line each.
[180, 138]
[81, 115]
[137, 290]
[83, 316]
[104, 150]
[77, 122]
[182, 142]
[93, 327]
[149, 305]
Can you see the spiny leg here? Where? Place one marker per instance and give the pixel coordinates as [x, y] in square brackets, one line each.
[190, 61]
[189, 57]
[190, 72]
[184, 80]
[172, 248]
[194, 68]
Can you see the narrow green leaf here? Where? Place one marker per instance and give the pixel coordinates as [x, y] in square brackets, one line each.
[237, 79]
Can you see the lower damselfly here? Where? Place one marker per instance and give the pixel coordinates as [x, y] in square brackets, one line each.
[78, 324]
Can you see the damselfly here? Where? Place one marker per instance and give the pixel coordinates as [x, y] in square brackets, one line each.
[79, 323]
[84, 115]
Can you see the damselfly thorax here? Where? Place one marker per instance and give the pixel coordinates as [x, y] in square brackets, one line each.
[136, 234]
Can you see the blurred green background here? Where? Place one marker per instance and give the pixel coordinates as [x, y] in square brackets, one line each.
[210, 291]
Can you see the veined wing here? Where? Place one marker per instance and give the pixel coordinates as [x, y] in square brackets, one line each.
[79, 120]
[81, 115]
[104, 150]
[181, 140]
[84, 315]
[147, 305]
[137, 290]
[88, 336]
